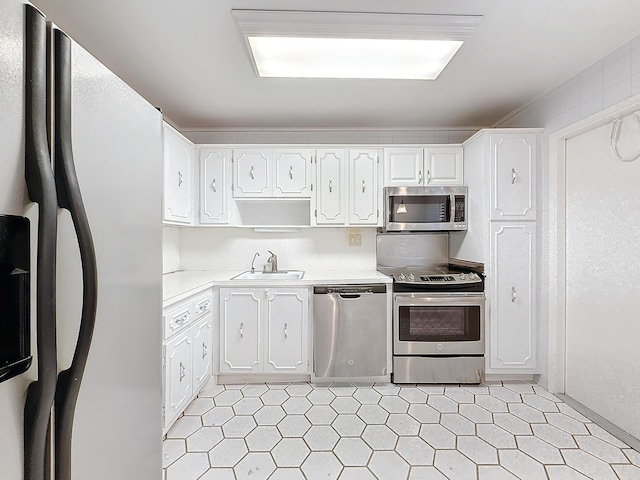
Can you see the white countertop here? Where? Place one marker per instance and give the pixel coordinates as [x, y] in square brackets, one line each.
[178, 285]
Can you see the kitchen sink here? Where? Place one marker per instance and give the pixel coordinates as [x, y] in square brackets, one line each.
[281, 275]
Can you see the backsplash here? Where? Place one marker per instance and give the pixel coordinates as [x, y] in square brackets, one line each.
[170, 249]
[307, 249]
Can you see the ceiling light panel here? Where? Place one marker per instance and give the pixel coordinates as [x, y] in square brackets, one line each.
[352, 45]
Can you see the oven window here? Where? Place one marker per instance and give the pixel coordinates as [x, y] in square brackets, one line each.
[420, 208]
[439, 323]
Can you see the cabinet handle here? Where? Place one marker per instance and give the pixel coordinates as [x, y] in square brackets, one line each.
[182, 370]
[241, 334]
[183, 318]
[330, 186]
[513, 176]
[513, 294]
[419, 176]
[213, 185]
[204, 350]
[428, 176]
[291, 172]
[180, 177]
[251, 173]
[286, 335]
[364, 187]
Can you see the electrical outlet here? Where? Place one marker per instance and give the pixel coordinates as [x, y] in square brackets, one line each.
[354, 240]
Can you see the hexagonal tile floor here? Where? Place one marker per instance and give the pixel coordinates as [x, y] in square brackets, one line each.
[502, 430]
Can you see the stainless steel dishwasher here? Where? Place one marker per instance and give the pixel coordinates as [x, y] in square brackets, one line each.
[350, 332]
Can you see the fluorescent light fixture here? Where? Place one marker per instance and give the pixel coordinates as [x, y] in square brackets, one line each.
[352, 45]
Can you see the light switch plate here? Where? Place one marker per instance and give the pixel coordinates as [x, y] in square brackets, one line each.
[354, 240]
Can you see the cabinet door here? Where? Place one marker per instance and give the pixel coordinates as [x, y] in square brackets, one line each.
[252, 173]
[512, 292]
[214, 194]
[331, 195]
[202, 353]
[240, 332]
[178, 375]
[403, 167]
[287, 338]
[442, 165]
[178, 160]
[363, 180]
[513, 183]
[292, 177]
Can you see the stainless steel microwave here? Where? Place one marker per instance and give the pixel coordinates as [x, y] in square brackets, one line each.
[423, 209]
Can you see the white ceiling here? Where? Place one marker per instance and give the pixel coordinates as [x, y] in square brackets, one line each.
[187, 57]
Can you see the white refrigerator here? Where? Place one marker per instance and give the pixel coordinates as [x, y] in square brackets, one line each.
[116, 146]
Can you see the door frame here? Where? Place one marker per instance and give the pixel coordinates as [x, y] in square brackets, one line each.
[556, 368]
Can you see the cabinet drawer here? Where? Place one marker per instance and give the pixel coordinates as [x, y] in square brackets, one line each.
[177, 317]
[202, 305]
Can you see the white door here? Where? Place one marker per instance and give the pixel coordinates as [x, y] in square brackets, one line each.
[252, 173]
[403, 166]
[331, 195]
[512, 327]
[363, 180]
[292, 177]
[286, 328]
[513, 178]
[202, 353]
[178, 380]
[178, 159]
[214, 203]
[602, 255]
[240, 332]
[443, 165]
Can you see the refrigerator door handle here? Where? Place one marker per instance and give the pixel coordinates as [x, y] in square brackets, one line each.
[69, 198]
[41, 189]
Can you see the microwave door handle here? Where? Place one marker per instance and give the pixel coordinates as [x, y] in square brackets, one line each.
[452, 219]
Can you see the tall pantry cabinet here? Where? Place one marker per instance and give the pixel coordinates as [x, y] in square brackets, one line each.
[500, 173]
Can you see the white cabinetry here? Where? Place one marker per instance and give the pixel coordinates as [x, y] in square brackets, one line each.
[272, 173]
[500, 175]
[512, 298]
[513, 178]
[364, 192]
[214, 185]
[417, 166]
[187, 352]
[178, 177]
[264, 330]
[331, 187]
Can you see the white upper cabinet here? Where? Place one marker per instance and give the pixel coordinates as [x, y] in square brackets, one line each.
[511, 280]
[513, 178]
[214, 185]
[331, 191]
[435, 165]
[252, 173]
[178, 177]
[272, 173]
[292, 176]
[442, 165]
[403, 166]
[363, 186]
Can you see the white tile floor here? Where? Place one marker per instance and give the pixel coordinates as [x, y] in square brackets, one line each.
[501, 431]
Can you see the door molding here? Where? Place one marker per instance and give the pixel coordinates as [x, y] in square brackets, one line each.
[556, 367]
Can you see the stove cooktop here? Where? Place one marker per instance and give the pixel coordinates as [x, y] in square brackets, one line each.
[437, 279]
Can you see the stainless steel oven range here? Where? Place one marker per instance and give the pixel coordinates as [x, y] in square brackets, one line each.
[438, 311]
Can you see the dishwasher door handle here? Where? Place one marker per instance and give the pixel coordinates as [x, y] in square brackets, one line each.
[350, 295]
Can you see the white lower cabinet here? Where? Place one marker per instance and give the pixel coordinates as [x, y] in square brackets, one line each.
[187, 352]
[512, 297]
[264, 330]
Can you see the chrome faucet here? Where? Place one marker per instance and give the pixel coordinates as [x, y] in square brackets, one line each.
[273, 260]
[253, 270]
